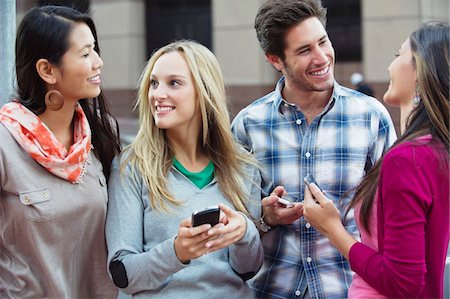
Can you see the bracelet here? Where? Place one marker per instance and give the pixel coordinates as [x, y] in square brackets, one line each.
[262, 225]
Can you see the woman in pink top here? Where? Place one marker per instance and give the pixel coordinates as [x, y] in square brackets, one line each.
[403, 203]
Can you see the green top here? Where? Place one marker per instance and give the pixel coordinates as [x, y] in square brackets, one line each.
[200, 179]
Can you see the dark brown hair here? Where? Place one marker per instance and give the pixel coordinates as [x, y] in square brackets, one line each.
[430, 51]
[44, 33]
[276, 17]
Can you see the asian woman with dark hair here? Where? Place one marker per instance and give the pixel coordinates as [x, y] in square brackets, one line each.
[58, 141]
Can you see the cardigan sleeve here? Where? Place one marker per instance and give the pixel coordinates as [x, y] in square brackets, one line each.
[131, 268]
[398, 269]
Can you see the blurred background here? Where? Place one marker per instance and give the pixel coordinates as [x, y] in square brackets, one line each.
[365, 34]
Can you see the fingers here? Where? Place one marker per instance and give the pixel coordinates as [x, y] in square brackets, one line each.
[223, 218]
[270, 200]
[185, 229]
[278, 191]
[308, 198]
[187, 222]
[276, 213]
[236, 222]
[227, 210]
[190, 242]
[221, 235]
[230, 236]
[314, 192]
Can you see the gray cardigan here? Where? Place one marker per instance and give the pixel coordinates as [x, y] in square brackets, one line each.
[52, 240]
[143, 240]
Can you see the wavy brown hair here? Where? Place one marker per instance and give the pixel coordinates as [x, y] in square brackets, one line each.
[430, 51]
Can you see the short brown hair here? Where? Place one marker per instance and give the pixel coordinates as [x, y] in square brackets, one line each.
[276, 17]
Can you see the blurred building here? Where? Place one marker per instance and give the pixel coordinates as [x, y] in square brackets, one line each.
[365, 34]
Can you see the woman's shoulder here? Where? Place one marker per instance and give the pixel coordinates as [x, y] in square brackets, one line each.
[422, 151]
[8, 144]
[4, 133]
[123, 161]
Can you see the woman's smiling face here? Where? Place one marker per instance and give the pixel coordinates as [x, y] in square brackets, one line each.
[172, 93]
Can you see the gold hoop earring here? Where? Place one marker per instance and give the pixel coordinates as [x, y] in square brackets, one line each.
[54, 100]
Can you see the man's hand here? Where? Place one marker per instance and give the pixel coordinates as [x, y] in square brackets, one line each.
[276, 213]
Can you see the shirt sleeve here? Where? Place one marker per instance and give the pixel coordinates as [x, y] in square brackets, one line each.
[132, 269]
[384, 135]
[242, 135]
[239, 131]
[247, 255]
[398, 269]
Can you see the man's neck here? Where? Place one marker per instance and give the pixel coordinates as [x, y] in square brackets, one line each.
[311, 103]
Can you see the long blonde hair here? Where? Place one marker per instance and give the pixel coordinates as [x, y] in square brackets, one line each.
[151, 154]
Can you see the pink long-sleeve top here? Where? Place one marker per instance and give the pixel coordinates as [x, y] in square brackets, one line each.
[412, 223]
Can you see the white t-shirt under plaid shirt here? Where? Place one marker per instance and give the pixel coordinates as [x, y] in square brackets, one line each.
[338, 147]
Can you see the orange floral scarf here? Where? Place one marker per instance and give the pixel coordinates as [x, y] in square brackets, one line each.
[40, 143]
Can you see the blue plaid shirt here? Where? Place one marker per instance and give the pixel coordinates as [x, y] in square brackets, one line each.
[338, 147]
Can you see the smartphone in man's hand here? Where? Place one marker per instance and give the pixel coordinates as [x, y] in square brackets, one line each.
[287, 200]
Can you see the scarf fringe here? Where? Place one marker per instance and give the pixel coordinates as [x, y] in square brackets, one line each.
[84, 167]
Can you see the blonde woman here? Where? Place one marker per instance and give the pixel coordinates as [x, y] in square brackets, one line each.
[183, 159]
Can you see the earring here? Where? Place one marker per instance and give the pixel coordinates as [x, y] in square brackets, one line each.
[416, 99]
[54, 100]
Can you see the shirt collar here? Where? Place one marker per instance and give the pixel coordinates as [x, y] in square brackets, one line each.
[279, 101]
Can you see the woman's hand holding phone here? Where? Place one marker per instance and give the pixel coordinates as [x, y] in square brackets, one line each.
[319, 210]
[190, 242]
[232, 229]
[323, 215]
[194, 241]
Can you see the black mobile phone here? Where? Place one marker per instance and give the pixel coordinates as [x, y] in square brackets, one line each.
[209, 215]
[310, 179]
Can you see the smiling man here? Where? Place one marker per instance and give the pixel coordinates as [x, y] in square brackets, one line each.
[308, 125]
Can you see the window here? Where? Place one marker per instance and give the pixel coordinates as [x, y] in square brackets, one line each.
[169, 20]
[344, 28]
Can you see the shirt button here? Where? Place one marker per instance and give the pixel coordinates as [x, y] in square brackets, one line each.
[102, 181]
[308, 259]
[308, 154]
[298, 121]
[45, 194]
[308, 225]
[27, 199]
[286, 105]
[298, 293]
